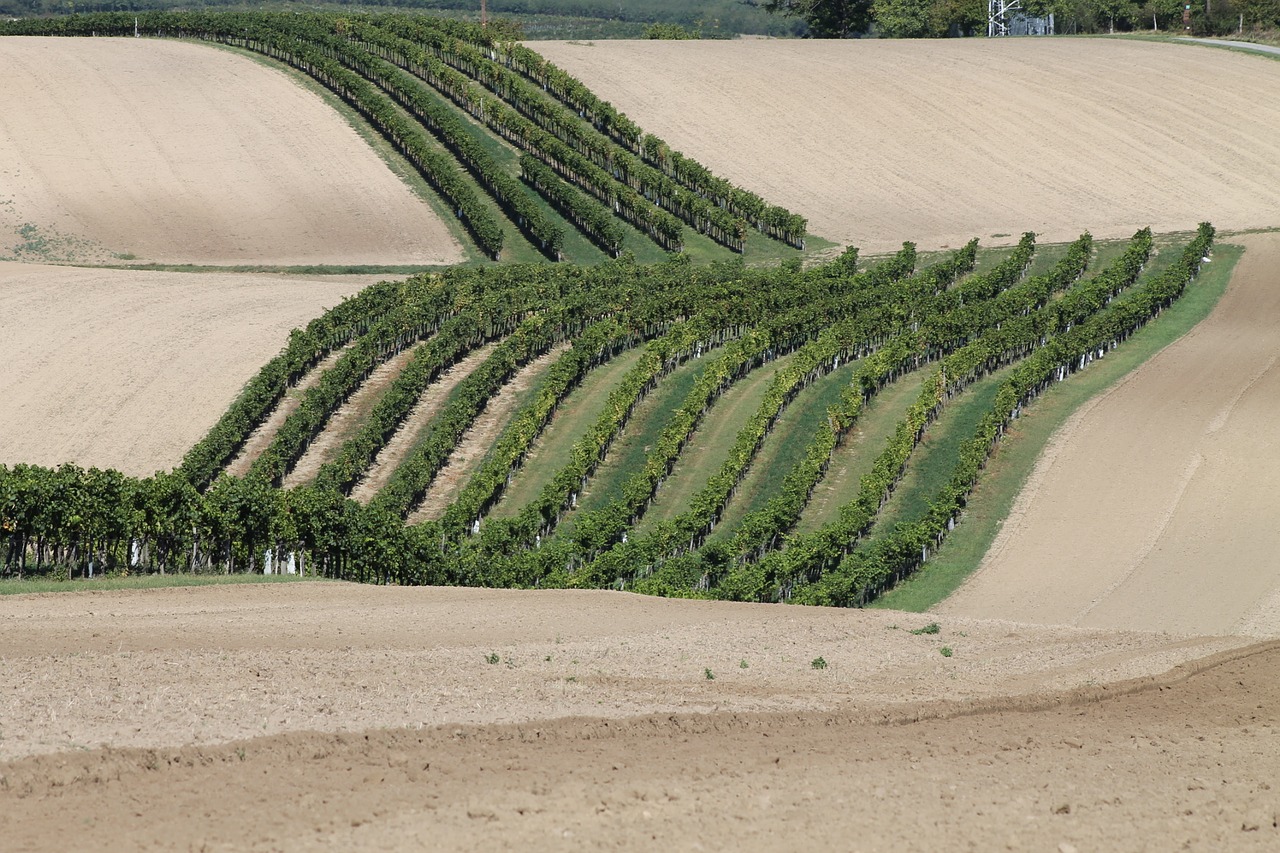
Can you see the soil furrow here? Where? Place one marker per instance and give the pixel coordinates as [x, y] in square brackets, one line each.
[260, 439]
[347, 419]
[475, 443]
[427, 407]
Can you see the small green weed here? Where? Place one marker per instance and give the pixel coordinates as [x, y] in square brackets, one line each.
[946, 651]
[818, 663]
[931, 628]
[493, 657]
[742, 664]
[711, 676]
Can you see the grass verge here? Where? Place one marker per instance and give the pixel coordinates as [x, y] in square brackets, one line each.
[1016, 456]
[705, 452]
[35, 585]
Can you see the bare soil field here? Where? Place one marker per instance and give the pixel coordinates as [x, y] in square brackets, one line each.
[938, 141]
[332, 716]
[179, 153]
[1154, 506]
[125, 369]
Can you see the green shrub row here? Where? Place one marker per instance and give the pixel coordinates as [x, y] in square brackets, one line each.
[591, 218]
[441, 120]
[336, 327]
[625, 201]
[810, 555]
[774, 221]
[866, 572]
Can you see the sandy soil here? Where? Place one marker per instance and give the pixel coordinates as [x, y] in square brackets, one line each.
[122, 707]
[129, 369]
[476, 441]
[349, 417]
[428, 406]
[939, 141]
[177, 152]
[260, 439]
[1154, 506]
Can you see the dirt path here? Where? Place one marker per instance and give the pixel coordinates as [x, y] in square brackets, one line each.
[129, 369]
[350, 416]
[1153, 507]
[479, 439]
[1238, 45]
[175, 152]
[377, 723]
[946, 139]
[427, 407]
[260, 439]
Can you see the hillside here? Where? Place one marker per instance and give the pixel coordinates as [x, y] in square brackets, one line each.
[943, 140]
[650, 376]
[124, 369]
[169, 152]
[1152, 508]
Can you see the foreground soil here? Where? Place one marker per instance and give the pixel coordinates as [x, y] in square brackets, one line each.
[1154, 506]
[128, 370]
[179, 153]
[331, 716]
[877, 141]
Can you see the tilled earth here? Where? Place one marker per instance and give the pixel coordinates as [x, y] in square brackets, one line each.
[325, 715]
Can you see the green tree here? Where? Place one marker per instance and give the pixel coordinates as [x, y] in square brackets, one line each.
[825, 18]
[902, 19]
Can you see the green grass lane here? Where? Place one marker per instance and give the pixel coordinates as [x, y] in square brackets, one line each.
[1015, 457]
[783, 448]
[575, 414]
[704, 453]
[931, 463]
[631, 449]
[855, 456]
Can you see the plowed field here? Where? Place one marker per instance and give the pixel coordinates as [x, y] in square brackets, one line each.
[129, 369]
[329, 716]
[1155, 506]
[172, 152]
[943, 140]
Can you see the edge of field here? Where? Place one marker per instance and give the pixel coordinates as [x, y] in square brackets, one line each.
[1015, 457]
[42, 585]
[395, 162]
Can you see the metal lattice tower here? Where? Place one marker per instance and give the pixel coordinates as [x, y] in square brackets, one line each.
[999, 13]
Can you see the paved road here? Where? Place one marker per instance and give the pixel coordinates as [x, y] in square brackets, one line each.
[1242, 45]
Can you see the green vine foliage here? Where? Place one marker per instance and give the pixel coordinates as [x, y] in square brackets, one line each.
[430, 87]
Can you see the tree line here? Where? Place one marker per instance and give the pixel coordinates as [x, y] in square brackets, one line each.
[950, 18]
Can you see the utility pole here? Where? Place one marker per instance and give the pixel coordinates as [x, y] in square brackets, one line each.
[484, 13]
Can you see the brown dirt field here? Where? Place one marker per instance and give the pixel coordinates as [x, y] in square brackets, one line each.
[333, 716]
[476, 442]
[179, 153]
[938, 141]
[129, 369]
[260, 439]
[349, 417]
[427, 407]
[1153, 508]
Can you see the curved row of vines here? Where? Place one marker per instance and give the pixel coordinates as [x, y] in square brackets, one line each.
[435, 88]
[693, 335]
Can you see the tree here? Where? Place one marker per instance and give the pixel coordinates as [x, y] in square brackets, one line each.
[825, 18]
[901, 19]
